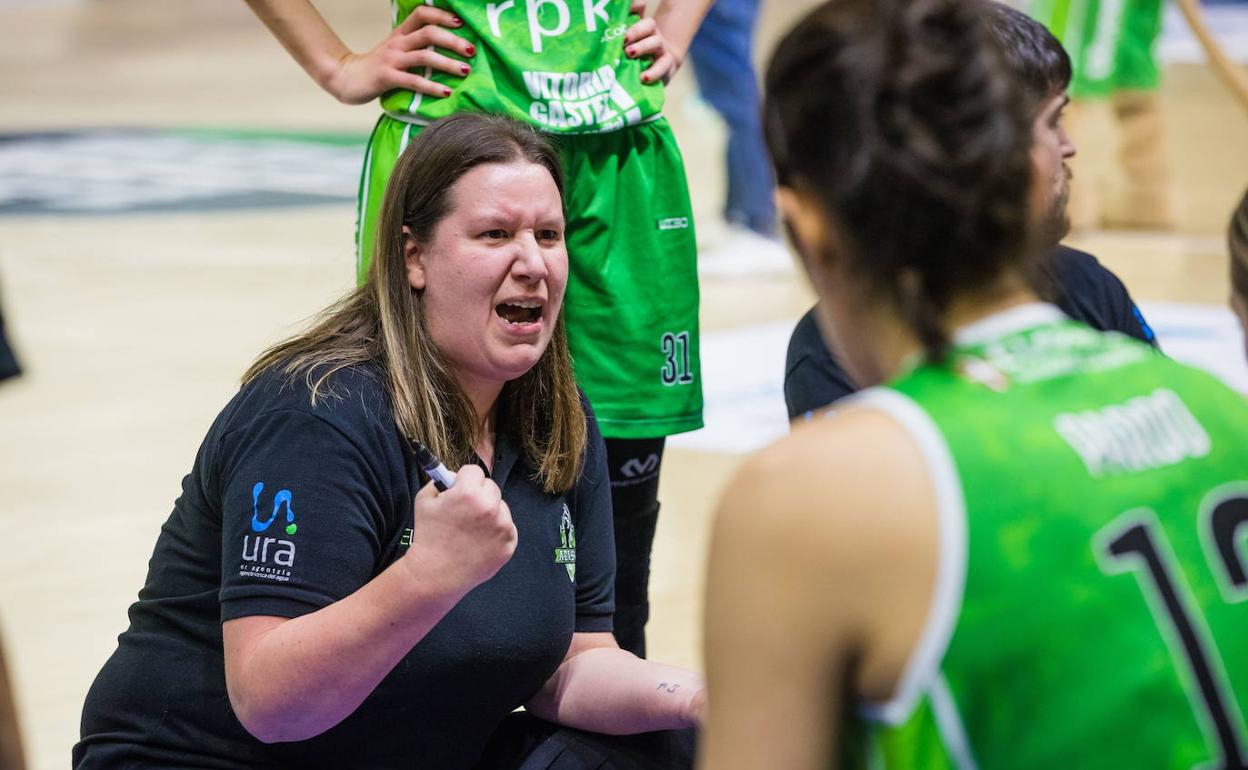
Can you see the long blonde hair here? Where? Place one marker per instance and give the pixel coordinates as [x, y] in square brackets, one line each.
[382, 322]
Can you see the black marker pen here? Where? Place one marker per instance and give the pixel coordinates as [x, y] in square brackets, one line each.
[442, 478]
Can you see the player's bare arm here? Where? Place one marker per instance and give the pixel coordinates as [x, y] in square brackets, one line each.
[423, 39]
[665, 37]
[816, 590]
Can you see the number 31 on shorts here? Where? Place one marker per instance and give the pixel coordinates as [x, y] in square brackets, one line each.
[675, 348]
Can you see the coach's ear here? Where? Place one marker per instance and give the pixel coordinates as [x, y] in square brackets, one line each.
[413, 256]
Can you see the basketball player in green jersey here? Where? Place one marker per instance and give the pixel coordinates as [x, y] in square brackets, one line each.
[1112, 44]
[1025, 550]
[590, 72]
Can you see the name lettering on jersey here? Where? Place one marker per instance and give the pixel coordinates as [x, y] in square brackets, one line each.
[1053, 352]
[594, 101]
[269, 558]
[557, 15]
[1146, 432]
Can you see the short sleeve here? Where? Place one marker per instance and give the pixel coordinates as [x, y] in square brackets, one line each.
[1141, 328]
[590, 504]
[302, 516]
[1123, 315]
[812, 377]
[1092, 293]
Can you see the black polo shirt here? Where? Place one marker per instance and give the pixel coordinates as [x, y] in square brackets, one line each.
[290, 507]
[1080, 285]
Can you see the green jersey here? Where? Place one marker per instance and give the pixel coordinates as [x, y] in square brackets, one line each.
[1088, 609]
[558, 64]
[1112, 43]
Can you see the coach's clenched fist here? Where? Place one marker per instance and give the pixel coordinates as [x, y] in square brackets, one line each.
[462, 536]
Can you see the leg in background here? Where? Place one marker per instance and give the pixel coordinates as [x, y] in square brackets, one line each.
[1146, 197]
[721, 54]
[634, 469]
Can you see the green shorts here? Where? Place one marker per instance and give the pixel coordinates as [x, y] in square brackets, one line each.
[1111, 42]
[632, 300]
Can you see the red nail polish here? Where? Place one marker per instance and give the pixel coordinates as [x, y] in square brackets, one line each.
[446, 92]
[645, 78]
[472, 49]
[630, 51]
[458, 21]
[464, 68]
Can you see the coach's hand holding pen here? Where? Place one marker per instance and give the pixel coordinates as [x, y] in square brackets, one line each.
[462, 526]
[442, 478]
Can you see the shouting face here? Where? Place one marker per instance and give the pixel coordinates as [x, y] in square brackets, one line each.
[493, 272]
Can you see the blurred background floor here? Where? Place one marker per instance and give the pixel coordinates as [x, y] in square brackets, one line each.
[175, 194]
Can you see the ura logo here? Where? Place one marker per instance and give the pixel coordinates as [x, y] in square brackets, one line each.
[269, 557]
[283, 497]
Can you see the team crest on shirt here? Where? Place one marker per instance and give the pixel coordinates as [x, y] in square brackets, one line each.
[565, 554]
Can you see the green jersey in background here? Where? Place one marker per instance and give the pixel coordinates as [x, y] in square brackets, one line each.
[558, 64]
[1089, 608]
[1111, 42]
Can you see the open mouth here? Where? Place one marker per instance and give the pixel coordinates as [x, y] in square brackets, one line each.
[522, 312]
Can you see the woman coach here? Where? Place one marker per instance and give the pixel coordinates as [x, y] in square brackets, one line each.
[309, 603]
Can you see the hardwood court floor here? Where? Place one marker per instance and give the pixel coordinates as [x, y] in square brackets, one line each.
[134, 327]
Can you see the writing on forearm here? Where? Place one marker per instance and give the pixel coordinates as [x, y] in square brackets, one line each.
[664, 686]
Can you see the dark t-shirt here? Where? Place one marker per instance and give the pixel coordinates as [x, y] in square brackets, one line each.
[8, 362]
[1080, 285]
[291, 507]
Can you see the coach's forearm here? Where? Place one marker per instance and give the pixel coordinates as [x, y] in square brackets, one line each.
[290, 680]
[611, 691]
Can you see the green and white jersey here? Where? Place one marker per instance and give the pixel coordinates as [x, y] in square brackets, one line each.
[1112, 43]
[1090, 604]
[558, 64]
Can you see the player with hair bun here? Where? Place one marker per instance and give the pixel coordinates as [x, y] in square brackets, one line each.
[1025, 541]
[1075, 281]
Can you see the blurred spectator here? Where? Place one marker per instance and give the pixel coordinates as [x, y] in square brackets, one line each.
[722, 57]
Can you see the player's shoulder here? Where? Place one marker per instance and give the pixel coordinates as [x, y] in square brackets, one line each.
[857, 472]
[1198, 385]
[840, 519]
